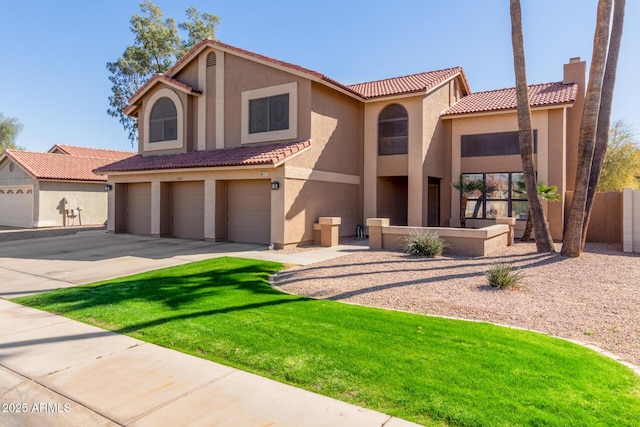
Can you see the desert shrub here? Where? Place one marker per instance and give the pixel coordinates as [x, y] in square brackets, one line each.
[425, 243]
[502, 275]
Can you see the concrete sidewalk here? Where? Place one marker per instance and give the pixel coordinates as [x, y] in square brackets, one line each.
[59, 372]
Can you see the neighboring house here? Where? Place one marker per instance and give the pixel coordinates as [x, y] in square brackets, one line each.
[57, 188]
[241, 147]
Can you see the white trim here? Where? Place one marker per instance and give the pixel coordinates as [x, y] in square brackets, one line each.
[219, 99]
[163, 145]
[291, 133]
[201, 143]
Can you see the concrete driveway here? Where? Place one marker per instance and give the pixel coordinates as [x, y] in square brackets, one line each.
[37, 265]
[58, 372]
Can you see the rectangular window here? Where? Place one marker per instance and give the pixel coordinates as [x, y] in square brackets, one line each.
[269, 114]
[493, 144]
[500, 199]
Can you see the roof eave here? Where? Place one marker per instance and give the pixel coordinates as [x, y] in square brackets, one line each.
[506, 111]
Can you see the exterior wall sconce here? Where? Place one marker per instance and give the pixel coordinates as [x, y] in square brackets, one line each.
[108, 187]
[275, 185]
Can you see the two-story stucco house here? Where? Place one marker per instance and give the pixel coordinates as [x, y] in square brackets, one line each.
[241, 147]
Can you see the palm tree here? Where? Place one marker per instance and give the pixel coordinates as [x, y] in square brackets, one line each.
[544, 242]
[604, 115]
[545, 192]
[466, 187]
[572, 240]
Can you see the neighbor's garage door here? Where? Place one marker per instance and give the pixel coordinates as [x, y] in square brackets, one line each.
[16, 206]
[187, 202]
[139, 208]
[249, 211]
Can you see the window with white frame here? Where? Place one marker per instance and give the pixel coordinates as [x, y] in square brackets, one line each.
[501, 198]
[162, 121]
[270, 114]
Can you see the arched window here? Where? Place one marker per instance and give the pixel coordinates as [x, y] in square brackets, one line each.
[393, 130]
[163, 122]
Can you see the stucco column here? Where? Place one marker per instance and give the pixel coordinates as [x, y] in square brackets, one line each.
[156, 209]
[370, 182]
[415, 165]
[278, 210]
[375, 231]
[329, 230]
[210, 210]
[111, 207]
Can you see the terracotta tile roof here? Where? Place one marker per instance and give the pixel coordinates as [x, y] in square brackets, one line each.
[406, 84]
[505, 99]
[97, 153]
[269, 154]
[58, 167]
[226, 47]
[166, 79]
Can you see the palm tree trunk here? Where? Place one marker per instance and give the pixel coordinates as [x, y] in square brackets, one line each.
[604, 115]
[572, 242]
[463, 210]
[527, 229]
[544, 242]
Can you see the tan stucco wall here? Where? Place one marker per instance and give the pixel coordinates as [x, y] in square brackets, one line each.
[306, 201]
[90, 196]
[243, 75]
[549, 159]
[189, 109]
[428, 153]
[17, 177]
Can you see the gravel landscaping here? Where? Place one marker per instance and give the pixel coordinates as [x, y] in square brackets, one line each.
[594, 299]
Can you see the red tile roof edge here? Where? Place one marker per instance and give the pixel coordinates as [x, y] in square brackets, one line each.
[167, 79]
[24, 159]
[454, 110]
[104, 153]
[254, 155]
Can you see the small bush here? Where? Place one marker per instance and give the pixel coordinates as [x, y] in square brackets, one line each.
[501, 275]
[425, 243]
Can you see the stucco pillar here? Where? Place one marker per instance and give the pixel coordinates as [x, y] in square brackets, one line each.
[210, 210]
[156, 208]
[511, 222]
[278, 214]
[375, 231]
[329, 230]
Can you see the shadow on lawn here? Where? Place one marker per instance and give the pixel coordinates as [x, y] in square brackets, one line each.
[182, 292]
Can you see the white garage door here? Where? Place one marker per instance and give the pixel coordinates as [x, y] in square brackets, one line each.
[139, 208]
[188, 209]
[16, 206]
[249, 211]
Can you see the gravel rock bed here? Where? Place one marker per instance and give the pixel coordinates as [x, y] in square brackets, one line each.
[594, 299]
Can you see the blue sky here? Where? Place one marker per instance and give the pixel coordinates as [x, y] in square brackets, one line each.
[54, 54]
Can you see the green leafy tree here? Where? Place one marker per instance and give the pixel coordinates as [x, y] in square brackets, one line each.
[9, 130]
[157, 46]
[622, 159]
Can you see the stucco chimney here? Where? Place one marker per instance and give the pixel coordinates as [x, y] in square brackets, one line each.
[575, 72]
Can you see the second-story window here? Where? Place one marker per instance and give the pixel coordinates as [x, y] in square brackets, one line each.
[163, 122]
[269, 114]
[393, 130]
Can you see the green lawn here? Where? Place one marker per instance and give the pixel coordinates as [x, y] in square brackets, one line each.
[429, 370]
